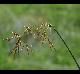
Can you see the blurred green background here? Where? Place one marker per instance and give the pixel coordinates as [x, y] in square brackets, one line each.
[66, 19]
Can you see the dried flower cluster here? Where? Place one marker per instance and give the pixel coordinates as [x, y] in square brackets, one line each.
[38, 32]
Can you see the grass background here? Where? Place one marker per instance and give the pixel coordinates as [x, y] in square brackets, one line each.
[66, 19]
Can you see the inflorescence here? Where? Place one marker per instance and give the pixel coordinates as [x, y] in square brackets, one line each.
[38, 32]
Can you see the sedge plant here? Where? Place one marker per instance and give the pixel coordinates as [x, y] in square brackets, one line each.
[39, 33]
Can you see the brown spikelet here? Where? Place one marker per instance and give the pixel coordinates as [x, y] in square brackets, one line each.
[39, 33]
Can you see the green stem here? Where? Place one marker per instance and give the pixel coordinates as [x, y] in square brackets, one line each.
[66, 47]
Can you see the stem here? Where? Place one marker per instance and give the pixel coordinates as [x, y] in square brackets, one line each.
[67, 47]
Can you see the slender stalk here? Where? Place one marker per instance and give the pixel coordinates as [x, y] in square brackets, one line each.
[66, 47]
